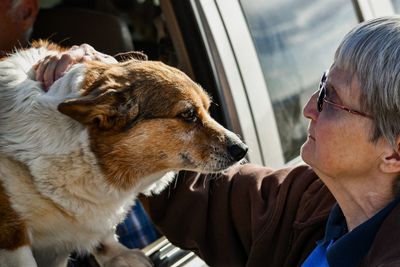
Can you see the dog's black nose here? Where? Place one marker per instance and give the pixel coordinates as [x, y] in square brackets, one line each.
[238, 151]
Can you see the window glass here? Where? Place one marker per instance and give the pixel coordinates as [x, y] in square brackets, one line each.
[295, 41]
[396, 5]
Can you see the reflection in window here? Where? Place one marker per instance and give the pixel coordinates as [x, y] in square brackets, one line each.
[396, 5]
[295, 42]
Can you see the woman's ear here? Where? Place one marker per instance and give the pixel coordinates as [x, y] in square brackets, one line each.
[27, 12]
[391, 159]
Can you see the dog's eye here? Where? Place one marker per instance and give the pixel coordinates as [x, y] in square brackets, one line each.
[189, 115]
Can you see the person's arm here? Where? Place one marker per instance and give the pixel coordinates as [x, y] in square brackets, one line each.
[223, 218]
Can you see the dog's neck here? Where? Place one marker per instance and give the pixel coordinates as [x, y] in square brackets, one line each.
[75, 176]
[78, 178]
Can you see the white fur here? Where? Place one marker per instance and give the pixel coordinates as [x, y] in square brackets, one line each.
[30, 124]
[47, 168]
[157, 185]
[19, 257]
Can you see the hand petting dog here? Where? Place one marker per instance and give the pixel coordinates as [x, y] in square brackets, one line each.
[53, 67]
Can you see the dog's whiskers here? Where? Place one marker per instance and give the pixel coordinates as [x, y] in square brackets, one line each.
[204, 181]
[176, 180]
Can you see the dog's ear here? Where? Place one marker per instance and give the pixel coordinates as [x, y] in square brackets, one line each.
[110, 110]
[121, 57]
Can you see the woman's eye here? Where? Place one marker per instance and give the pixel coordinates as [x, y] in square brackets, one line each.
[189, 115]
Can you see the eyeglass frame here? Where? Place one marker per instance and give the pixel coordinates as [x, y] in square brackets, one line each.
[322, 98]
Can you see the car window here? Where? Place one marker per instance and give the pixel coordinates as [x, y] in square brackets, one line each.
[295, 42]
[396, 5]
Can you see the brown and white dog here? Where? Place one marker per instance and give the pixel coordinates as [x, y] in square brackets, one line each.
[73, 160]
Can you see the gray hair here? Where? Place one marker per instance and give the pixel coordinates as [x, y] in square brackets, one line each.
[371, 51]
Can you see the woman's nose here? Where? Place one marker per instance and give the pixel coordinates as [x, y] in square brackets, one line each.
[310, 109]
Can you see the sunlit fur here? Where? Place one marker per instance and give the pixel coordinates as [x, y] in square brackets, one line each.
[73, 160]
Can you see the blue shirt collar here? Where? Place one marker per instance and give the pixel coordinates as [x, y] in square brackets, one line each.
[349, 248]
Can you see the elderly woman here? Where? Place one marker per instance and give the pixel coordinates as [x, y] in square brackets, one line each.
[340, 210]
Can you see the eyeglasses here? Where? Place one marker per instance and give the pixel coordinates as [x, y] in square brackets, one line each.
[322, 98]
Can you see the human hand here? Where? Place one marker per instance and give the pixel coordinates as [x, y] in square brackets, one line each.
[53, 67]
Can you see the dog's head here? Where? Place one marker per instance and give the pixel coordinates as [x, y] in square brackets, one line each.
[144, 117]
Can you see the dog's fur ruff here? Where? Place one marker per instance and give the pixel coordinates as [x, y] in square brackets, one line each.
[73, 160]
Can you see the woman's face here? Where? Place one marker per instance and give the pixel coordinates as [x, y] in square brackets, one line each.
[338, 143]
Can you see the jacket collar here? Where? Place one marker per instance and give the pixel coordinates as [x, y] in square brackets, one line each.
[349, 248]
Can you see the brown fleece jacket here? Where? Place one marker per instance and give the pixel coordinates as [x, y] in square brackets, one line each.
[254, 216]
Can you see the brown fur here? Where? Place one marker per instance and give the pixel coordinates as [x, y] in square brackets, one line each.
[13, 232]
[48, 45]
